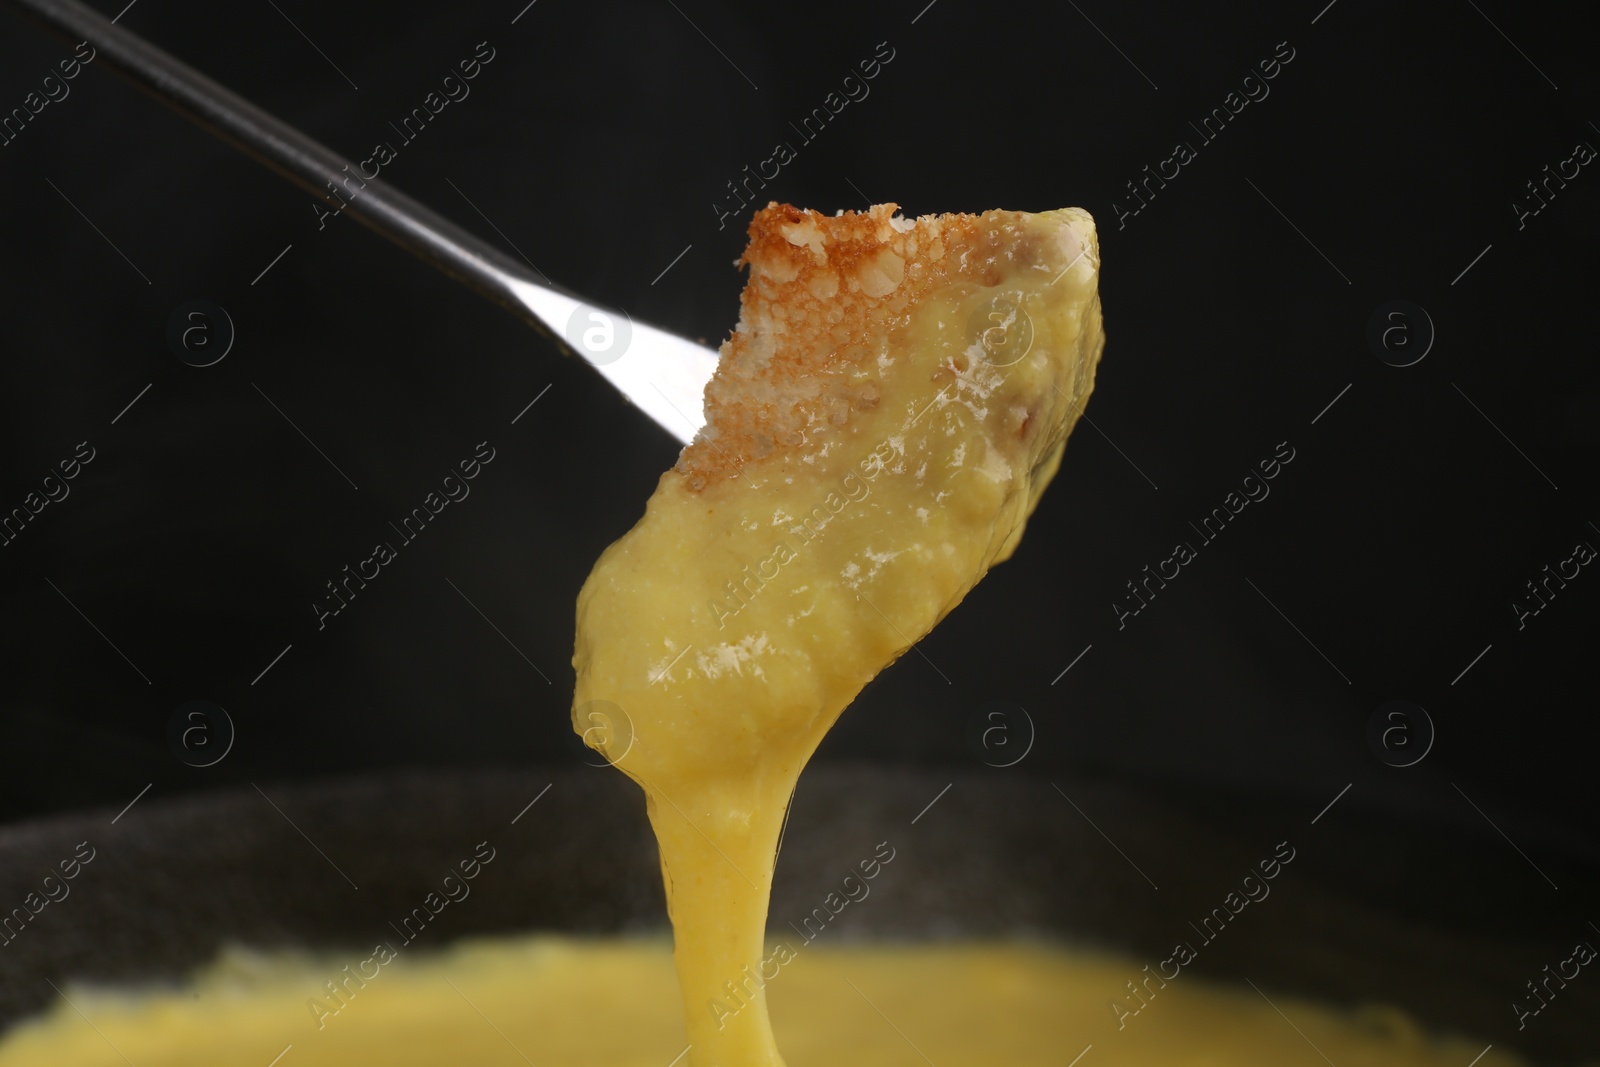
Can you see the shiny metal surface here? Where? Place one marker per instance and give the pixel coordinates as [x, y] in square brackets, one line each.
[661, 373]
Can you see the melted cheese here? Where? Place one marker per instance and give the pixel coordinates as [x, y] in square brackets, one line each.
[791, 556]
[559, 1003]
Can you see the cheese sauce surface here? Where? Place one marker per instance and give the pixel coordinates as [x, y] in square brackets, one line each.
[563, 1003]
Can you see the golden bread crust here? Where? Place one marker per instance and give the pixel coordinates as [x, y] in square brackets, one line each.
[823, 294]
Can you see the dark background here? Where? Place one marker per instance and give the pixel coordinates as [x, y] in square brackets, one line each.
[597, 140]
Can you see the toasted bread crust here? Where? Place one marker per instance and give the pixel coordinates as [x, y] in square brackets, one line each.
[823, 292]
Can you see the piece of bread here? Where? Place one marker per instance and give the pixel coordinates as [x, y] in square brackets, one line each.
[821, 288]
[895, 398]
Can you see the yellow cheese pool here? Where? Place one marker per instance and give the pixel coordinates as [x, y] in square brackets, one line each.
[563, 1003]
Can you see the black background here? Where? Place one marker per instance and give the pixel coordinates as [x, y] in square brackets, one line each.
[597, 140]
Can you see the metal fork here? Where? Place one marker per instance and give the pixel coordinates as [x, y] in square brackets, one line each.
[663, 374]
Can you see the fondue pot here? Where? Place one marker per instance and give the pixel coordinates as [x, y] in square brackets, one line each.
[1352, 919]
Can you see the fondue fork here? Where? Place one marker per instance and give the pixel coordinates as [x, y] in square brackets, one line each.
[660, 372]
